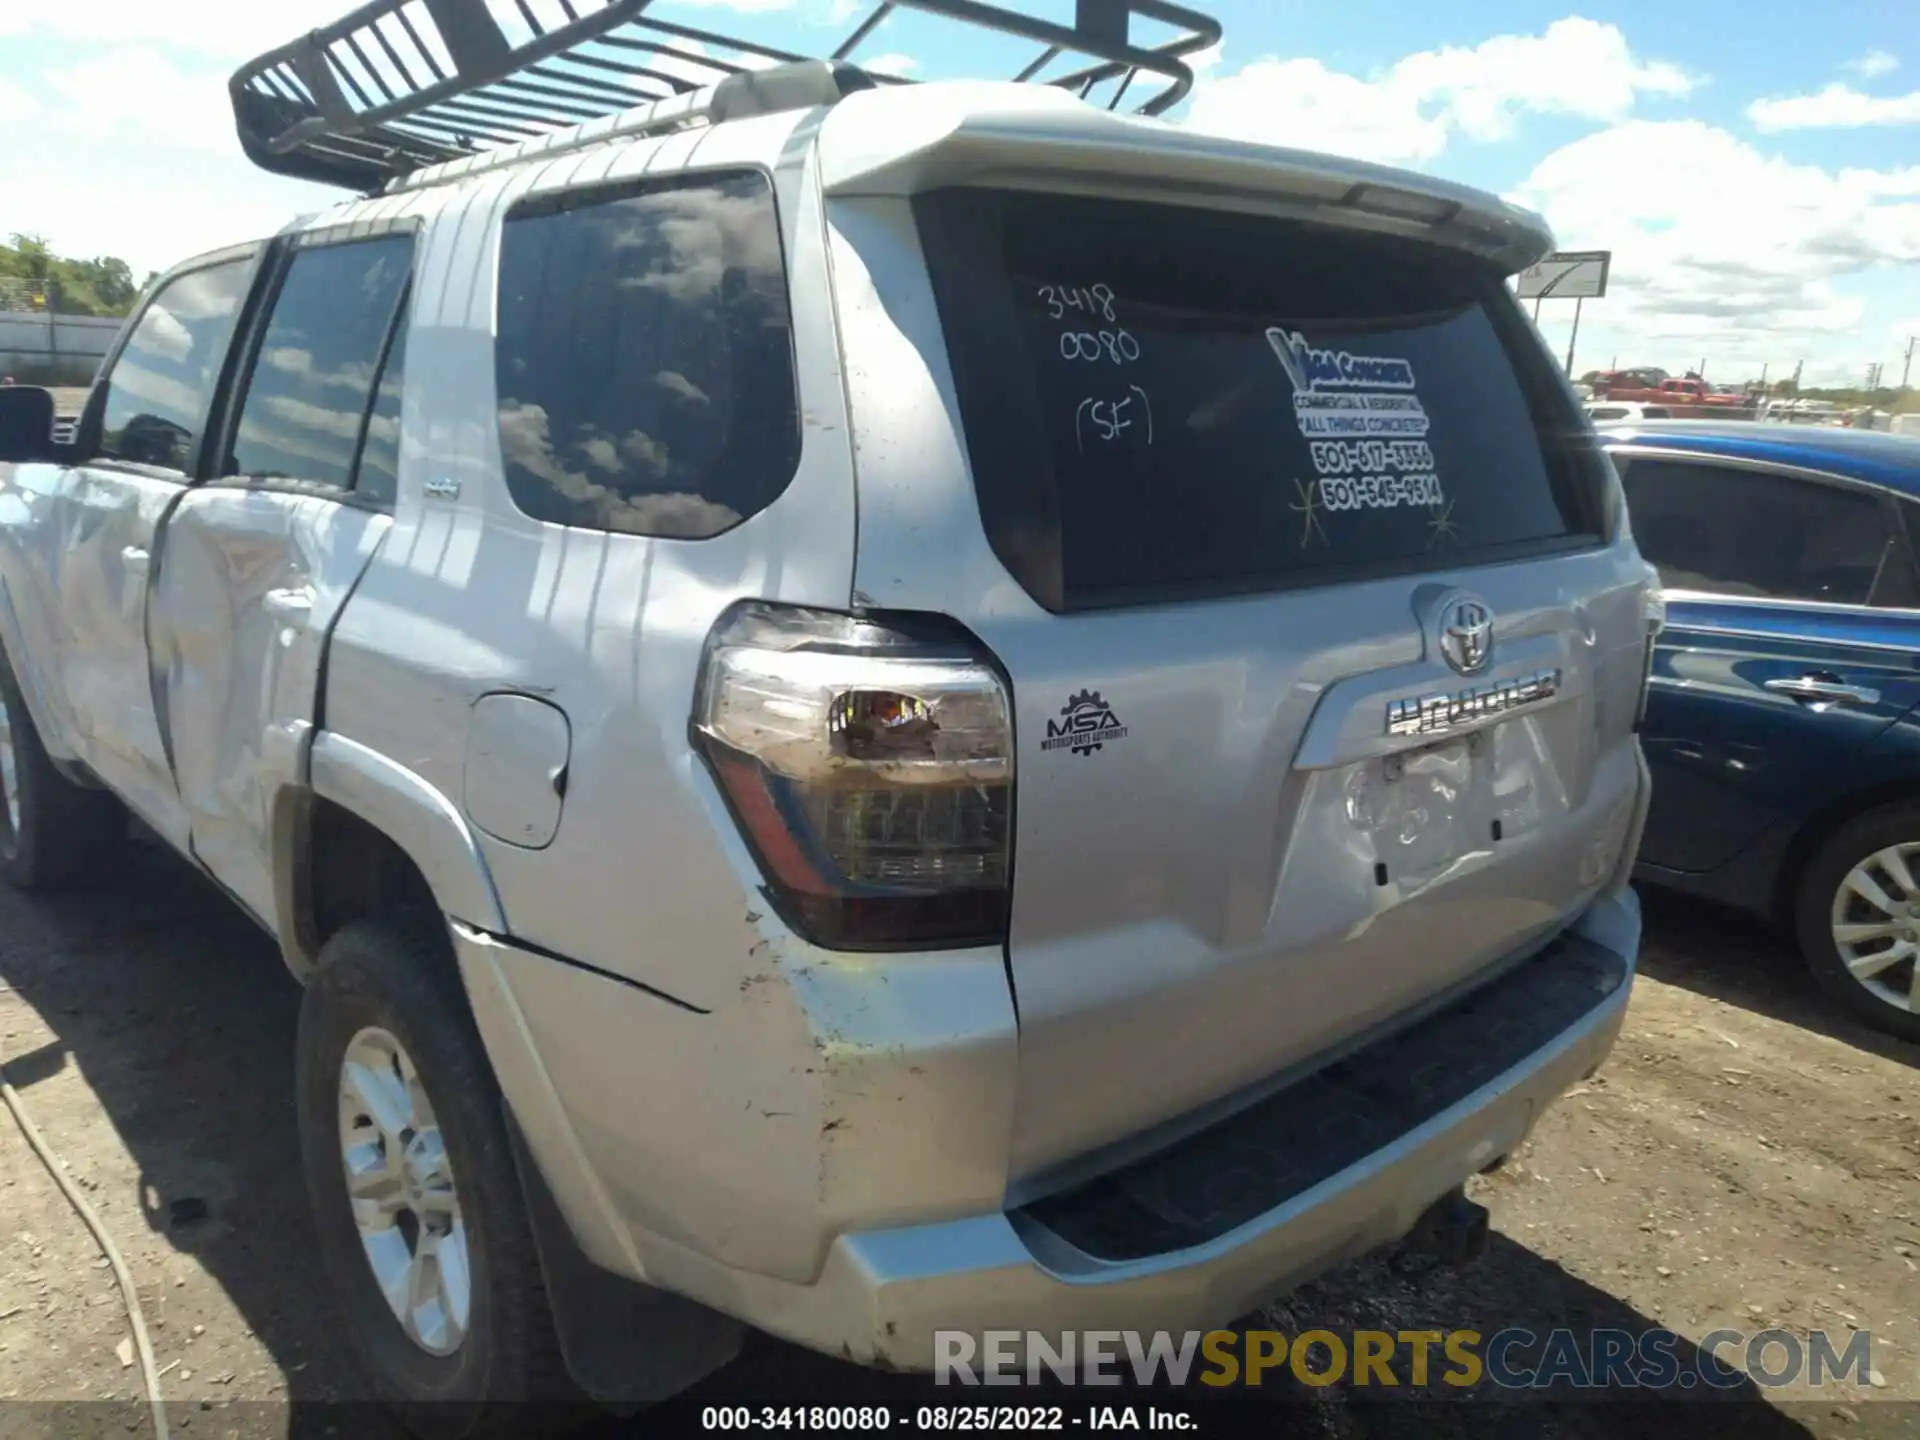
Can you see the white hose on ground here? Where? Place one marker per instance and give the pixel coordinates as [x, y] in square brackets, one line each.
[135, 1315]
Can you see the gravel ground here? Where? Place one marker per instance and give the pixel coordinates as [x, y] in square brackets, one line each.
[1747, 1159]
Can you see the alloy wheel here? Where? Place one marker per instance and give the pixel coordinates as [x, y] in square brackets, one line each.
[400, 1182]
[1876, 925]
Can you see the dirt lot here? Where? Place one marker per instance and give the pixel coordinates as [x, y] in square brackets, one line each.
[1747, 1159]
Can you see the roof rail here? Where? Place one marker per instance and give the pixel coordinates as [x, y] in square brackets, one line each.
[397, 85]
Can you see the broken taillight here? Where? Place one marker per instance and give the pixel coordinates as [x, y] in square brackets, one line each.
[869, 763]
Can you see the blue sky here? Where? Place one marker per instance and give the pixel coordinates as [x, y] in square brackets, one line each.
[1754, 167]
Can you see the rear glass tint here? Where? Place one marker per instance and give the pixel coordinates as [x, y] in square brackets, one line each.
[1162, 403]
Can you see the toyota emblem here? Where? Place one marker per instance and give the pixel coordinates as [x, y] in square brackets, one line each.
[1466, 633]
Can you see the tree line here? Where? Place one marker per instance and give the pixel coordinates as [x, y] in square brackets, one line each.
[104, 285]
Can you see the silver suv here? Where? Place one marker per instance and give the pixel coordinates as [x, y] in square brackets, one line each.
[978, 712]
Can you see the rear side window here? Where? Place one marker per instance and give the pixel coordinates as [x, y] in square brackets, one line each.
[308, 398]
[644, 360]
[158, 388]
[1163, 403]
[1730, 531]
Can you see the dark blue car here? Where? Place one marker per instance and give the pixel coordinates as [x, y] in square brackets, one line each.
[1781, 720]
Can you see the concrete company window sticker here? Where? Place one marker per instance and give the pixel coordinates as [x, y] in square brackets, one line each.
[1365, 429]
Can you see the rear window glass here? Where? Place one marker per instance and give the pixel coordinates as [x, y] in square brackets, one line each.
[644, 362]
[1161, 402]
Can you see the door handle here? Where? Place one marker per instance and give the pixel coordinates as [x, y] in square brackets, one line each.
[135, 559]
[1818, 690]
[290, 607]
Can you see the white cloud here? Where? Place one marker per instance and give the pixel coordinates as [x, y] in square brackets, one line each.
[890, 64]
[1873, 64]
[140, 94]
[1408, 113]
[1723, 249]
[148, 167]
[16, 103]
[1836, 107]
[237, 29]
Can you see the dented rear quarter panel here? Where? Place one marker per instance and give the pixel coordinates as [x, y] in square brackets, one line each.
[732, 1090]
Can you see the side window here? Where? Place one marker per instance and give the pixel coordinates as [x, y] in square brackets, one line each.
[314, 376]
[158, 389]
[1746, 532]
[644, 360]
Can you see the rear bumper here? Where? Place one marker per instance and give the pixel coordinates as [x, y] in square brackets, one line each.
[1080, 1261]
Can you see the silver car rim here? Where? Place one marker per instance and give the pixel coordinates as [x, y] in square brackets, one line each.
[9, 771]
[1876, 925]
[401, 1185]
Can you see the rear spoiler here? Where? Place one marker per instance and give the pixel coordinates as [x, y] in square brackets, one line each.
[930, 141]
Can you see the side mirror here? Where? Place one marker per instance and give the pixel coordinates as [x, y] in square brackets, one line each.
[26, 424]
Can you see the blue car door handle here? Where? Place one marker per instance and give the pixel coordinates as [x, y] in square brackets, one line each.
[1819, 690]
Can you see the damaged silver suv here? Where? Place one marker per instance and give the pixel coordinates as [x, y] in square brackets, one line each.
[866, 708]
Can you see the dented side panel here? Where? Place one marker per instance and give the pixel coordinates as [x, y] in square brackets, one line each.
[30, 623]
[253, 580]
[105, 525]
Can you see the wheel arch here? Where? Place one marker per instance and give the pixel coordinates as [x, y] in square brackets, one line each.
[366, 833]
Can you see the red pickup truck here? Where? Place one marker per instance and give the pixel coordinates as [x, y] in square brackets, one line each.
[1688, 396]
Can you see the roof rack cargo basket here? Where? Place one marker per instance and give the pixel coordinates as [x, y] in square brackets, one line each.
[397, 85]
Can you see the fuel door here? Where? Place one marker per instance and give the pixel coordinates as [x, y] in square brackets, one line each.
[518, 750]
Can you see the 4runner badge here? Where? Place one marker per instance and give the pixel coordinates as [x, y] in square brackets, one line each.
[1459, 709]
[1086, 723]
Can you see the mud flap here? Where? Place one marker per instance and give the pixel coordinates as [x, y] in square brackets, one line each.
[625, 1343]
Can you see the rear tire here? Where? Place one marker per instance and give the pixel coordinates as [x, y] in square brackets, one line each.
[1857, 917]
[386, 988]
[52, 831]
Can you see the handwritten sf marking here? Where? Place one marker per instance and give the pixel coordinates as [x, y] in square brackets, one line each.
[1111, 418]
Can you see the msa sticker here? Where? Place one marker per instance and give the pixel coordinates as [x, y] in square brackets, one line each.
[1365, 428]
[1086, 723]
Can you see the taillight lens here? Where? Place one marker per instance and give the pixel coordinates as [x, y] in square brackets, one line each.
[869, 762]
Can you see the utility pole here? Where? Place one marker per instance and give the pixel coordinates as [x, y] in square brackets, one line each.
[1906, 370]
[1873, 376]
